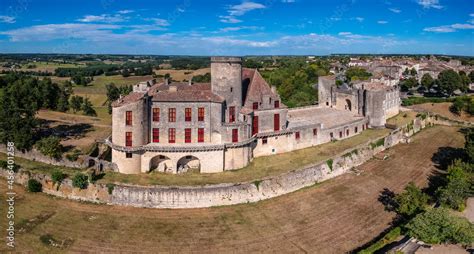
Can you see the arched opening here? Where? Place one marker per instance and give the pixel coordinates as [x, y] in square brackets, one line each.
[188, 163]
[91, 162]
[161, 163]
[348, 105]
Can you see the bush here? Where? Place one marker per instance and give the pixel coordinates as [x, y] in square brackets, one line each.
[57, 176]
[74, 155]
[34, 186]
[110, 188]
[330, 162]
[80, 181]
[6, 166]
[437, 226]
[457, 189]
[50, 146]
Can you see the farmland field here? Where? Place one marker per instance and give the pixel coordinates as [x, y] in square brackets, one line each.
[336, 216]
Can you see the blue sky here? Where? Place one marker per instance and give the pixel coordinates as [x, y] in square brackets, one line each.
[254, 27]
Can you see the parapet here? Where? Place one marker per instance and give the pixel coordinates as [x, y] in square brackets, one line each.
[226, 59]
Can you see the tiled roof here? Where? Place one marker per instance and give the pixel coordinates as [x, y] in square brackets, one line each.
[131, 97]
[185, 92]
[257, 88]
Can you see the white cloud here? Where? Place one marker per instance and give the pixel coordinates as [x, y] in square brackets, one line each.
[158, 21]
[229, 19]
[382, 22]
[360, 19]
[288, 1]
[449, 28]
[125, 11]
[7, 19]
[238, 28]
[430, 4]
[104, 18]
[394, 10]
[239, 10]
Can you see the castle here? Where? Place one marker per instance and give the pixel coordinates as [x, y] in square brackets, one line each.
[222, 125]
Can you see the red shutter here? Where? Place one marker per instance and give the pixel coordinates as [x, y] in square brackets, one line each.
[187, 135]
[172, 115]
[187, 114]
[297, 135]
[255, 105]
[200, 114]
[201, 135]
[128, 118]
[277, 104]
[156, 135]
[235, 135]
[276, 122]
[172, 135]
[128, 139]
[255, 125]
[156, 114]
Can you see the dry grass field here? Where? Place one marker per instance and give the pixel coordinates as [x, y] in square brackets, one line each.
[443, 109]
[402, 118]
[180, 75]
[336, 216]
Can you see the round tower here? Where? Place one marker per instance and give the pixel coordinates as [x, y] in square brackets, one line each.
[226, 81]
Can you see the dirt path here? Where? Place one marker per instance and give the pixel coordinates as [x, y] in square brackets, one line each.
[336, 216]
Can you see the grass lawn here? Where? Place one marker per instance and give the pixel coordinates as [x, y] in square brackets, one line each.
[259, 168]
[402, 118]
[49, 66]
[180, 75]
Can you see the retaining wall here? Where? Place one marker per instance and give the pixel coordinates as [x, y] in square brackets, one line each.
[227, 194]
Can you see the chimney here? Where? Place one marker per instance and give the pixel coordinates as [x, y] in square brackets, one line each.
[166, 81]
[190, 82]
[274, 90]
[173, 89]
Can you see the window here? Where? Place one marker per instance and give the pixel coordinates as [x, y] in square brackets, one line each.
[355, 129]
[315, 132]
[277, 104]
[270, 101]
[187, 114]
[128, 118]
[156, 114]
[201, 114]
[172, 135]
[331, 135]
[200, 135]
[255, 105]
[254, 125]
[231, 89]
[128, 155]
[187, 135]
[235, 135]
[231, 114]
[297, 135]
[327, 103]
[128, 139]
[340, 134]
[264, 141]
[156, 135]
[347, 132]
[172, 115]
[276, 122]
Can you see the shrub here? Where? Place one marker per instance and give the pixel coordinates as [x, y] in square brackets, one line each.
[57, 176]
[330, 162]
[50, 146]
[390, 237]
[74, 155]
[110, 188]
[377, 143]
[80, 181]
[6, 166]
[457, 189]
[437, 225]
[34, 186]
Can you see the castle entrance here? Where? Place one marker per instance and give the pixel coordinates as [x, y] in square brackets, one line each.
[348, 105]
[160, 163]
[188, 163]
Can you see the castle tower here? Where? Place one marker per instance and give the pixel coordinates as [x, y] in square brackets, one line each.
[226, 81]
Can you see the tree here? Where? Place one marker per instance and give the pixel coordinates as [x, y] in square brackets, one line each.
[80, 181]
[357, 73]
[76, 103]
[408, 84]
[469, 144]
[125, 73]
[471, 76]
[457, 189]
[411, 201]
[50, 146]
[437, 226]
[413, 72]
[427, 81]
[87, 108]
[449, 81]
[34, 186]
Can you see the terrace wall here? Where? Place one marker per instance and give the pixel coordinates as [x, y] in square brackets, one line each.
[228, 194]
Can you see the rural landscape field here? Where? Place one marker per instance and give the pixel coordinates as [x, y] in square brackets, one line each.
[249, 126]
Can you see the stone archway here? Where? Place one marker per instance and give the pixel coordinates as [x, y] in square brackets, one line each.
[160, 163]
[348, 105]
[188, 163]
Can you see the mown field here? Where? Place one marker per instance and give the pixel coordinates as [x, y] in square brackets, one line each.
[443, 109]
[336, 216]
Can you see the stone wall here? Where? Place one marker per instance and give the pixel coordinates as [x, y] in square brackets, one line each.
[35, 155]
[229, 194]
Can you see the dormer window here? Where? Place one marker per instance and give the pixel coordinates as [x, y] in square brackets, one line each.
[277, 104]
[255, 106]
